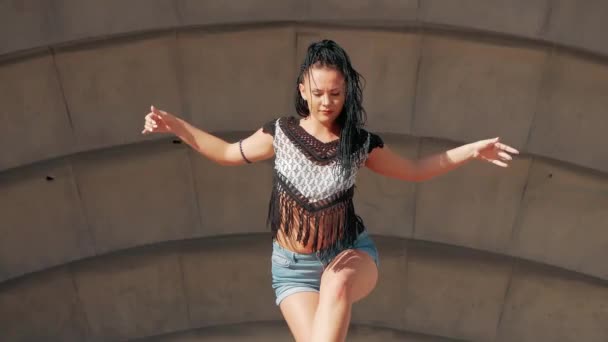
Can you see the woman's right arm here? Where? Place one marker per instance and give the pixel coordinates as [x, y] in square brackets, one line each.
[256, 147]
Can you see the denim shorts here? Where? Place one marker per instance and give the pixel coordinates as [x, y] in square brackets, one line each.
[295, 272]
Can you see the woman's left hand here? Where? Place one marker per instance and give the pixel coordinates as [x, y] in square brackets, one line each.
[493, 151]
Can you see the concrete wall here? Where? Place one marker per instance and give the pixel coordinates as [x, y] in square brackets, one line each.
[108, 235]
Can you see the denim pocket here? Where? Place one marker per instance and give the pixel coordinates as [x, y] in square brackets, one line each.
[280, 260]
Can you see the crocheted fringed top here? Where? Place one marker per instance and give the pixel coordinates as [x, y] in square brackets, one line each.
[309, 193]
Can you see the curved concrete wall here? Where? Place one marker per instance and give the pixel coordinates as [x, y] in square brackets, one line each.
[110, 235]
[424, 287]
[32, 25]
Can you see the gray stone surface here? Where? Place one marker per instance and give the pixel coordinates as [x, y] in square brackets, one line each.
[563, 220]
[236, 81]
[110, 87]
[571, 120]
[474, 206]
[547, 305]
[519, 17]
[34, 124]
[138, 195]
[132, 294]
[227, 280]
[470, 90]
[42, 307]
[42, 221]
[370, 11]
[81, 19]
[35, 25]
[388, 62]
[221, 288]
[232, 200]
[278, 331]
[231, 78]
[201, 12]
[579, 23]
[387, 205]
[453, 292]
[26, 24]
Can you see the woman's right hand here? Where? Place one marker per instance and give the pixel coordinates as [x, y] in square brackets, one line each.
[158, 121]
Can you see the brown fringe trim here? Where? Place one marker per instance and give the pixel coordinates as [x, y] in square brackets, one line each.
[332, 224]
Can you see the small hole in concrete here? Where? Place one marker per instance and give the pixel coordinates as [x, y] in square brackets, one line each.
[177, 141]
[50, 178]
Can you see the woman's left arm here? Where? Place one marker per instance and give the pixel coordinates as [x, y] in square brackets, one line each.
[385, 162]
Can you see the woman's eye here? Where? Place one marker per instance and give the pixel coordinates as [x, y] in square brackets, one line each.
[331, 94]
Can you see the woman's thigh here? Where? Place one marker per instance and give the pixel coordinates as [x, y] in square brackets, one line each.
[353, 271]
[299, 312]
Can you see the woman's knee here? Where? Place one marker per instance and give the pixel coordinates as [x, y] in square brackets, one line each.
[335, 287]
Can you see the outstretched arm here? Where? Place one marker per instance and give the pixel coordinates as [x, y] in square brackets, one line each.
[385, 162]
[256, 147]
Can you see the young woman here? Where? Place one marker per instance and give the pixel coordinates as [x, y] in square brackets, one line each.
[323, 259]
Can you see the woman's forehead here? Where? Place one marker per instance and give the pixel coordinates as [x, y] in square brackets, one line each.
[324, 77]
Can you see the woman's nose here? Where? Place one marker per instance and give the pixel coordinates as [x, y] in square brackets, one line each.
[325, 100]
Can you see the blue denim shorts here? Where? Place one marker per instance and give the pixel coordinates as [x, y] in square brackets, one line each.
[295, 272]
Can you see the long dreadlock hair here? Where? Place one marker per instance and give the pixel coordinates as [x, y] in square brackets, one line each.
[327, 53]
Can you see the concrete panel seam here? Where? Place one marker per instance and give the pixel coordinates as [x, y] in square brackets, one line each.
[416, 188]
[179, 12]
[418, 9]
[504, 301]
[406, 272]
[544, 28]
[539, 92]
[62, 91]
[88, 332]
[184, 288]
[296, 62]
[517, 222]
[82, 206]
[416, 80]
[179, 72]
[421, 36]
[189, 155]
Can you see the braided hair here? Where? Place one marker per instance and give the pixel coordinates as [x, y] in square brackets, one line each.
[327, 53]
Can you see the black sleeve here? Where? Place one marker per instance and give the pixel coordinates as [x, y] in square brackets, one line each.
[374, 141]
[269, 127]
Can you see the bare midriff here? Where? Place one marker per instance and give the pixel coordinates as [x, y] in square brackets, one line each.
[290, 241]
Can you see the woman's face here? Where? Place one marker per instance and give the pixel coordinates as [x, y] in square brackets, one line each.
[324, 91]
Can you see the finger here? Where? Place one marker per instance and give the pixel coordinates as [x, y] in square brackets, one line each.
[495, 162]
[505, 155]
[499, 163]
[491, 141]
[508, 148]
[151, 122]
[157, 111]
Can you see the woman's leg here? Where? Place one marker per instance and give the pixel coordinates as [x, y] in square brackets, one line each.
[299, 311]
[350, 277]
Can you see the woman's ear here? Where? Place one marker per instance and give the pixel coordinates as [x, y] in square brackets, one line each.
[302, 91]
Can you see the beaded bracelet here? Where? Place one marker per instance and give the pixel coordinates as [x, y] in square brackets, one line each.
[243, 154]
